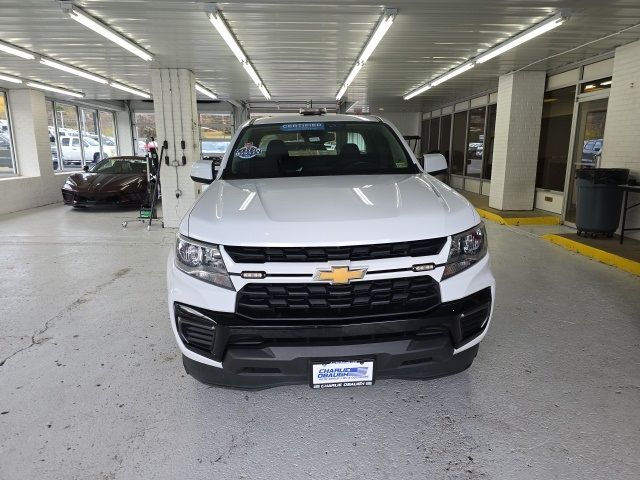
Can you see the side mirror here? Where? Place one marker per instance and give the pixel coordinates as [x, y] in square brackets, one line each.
[435, 163]
[203, 171]
[85, 168]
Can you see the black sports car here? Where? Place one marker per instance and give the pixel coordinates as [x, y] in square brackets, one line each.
[112, 181]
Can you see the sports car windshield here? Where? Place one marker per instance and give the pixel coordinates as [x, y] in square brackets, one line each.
[121, 166]
[317, 148]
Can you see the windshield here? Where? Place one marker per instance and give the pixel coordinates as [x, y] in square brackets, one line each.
[317, 149]
[121, 165]
[90, 141]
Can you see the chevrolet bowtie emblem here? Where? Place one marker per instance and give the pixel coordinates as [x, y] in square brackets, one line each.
[340, 275]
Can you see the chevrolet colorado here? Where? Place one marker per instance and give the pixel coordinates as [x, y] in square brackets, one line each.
[322, 253]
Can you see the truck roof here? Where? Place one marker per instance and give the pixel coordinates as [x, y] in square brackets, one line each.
[315, 118]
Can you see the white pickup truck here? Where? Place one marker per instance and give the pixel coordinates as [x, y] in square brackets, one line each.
[327, 266]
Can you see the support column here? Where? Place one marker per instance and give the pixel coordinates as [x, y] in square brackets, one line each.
[30, 130]
[515, 155]
[240, 116]
[125, 135]
[623, 118]
[176, 113]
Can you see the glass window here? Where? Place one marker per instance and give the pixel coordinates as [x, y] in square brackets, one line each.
[300, 149]
[590, 87]
[52, 136]
[458, 143]
[215, 133]
[489, 140]
[434, 131]
[145, 129]
[108, 137]
[555, 133]
[89, 119]
[68, 128]
[475, 142]
[7, 163]
[445, 136]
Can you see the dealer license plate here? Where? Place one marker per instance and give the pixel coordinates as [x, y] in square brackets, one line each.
[352, 373]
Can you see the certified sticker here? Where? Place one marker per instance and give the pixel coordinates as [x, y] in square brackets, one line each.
[248, 151]
[301, 126]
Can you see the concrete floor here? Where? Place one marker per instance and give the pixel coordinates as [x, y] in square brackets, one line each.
[92, 385]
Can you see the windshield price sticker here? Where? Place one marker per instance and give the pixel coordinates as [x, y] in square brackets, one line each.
[248, 151]
[301, 127]
[342, 374]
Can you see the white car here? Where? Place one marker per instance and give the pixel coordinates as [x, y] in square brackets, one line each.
[71, 153]
[327, 266]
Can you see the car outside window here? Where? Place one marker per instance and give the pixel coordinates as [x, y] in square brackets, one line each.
[317, 149]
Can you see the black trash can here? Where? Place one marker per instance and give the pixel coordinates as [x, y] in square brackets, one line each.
[599, 200]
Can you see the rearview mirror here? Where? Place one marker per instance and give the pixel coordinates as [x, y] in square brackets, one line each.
[85, 168]
[435, 163]
[203, 171]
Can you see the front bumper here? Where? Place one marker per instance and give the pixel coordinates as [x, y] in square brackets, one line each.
[265, 355]
[71, 197]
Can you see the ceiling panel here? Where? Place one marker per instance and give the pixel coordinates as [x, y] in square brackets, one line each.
[304, 50]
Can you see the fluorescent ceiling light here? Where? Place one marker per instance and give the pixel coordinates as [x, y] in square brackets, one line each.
[264, 92]
[9, 78]
[18, 52]
[126, 88]
[519, 39]
[525, 36]
[383, 25]
[100, 28]
[221, 26]
[441, 79]
[206, 92]
[453, 73]
[417, 92]
[218, 21]
[605, 83]
[76, 71]
[64, 91]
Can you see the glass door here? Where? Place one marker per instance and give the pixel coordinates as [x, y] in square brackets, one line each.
[589, 134]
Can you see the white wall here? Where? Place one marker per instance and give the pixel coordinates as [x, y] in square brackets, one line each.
[409, 123]
[622, 130]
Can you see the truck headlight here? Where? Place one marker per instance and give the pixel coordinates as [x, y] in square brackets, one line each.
[202, 261]
[467, 248]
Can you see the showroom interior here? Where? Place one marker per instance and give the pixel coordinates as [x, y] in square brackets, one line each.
[519, 97]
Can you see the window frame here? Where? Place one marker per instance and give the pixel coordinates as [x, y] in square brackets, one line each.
[15, 164]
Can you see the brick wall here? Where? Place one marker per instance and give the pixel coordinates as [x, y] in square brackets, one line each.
[515, 155]
[622, 129]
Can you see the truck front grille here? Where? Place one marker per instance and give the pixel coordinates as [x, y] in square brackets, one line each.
[314, 301]
[418, 248]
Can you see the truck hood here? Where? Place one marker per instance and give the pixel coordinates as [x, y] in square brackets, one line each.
[327, 211]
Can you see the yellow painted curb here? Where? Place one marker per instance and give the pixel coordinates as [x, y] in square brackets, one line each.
[607, 258]
[542, 220]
